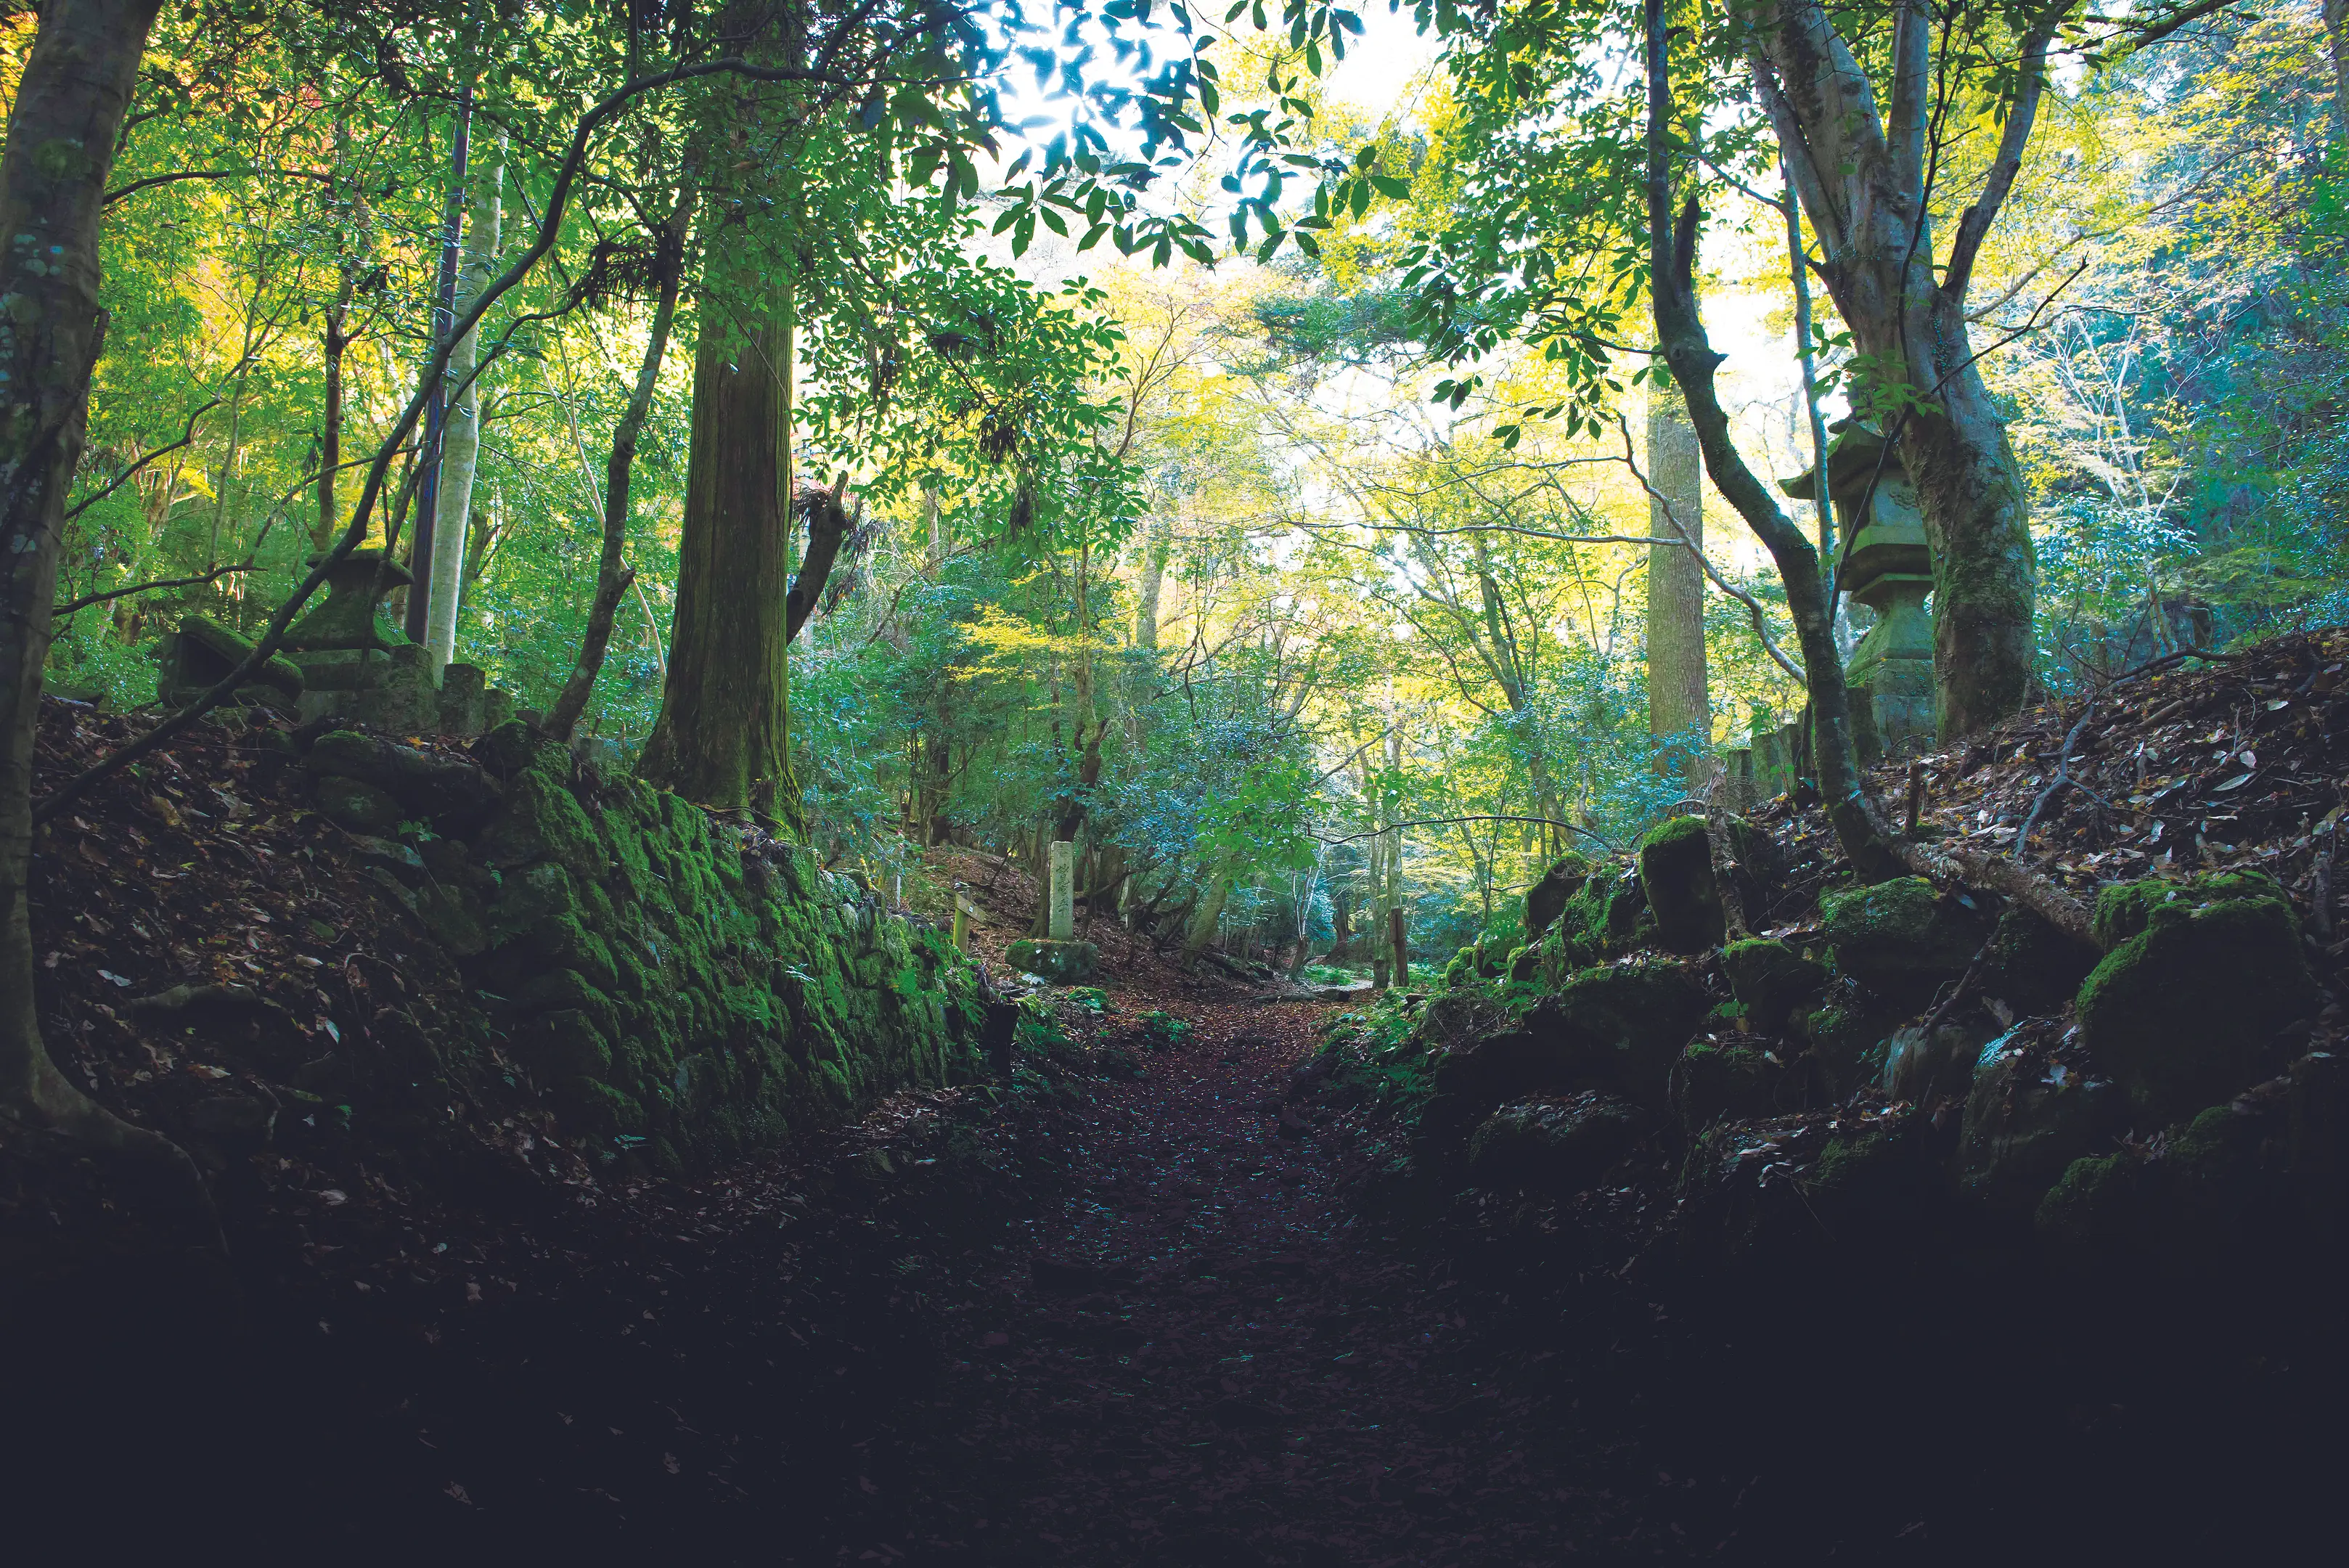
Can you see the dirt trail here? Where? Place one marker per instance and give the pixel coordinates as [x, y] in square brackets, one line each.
[1205, 1354]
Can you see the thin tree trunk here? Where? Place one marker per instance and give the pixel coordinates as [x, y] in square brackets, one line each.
[1688, 352]
[1158, 543]
[1679, 705]
[62, 128]
[461, 440]
[330, 441]
[414, 600]
[613, 574]
[2336, 38]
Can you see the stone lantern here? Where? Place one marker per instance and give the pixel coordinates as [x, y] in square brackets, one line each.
[356, 666]
[1889, 567]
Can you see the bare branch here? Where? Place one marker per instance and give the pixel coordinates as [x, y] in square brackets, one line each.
[124, 478]
[66, 608]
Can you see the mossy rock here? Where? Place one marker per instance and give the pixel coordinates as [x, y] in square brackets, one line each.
[542, 820]
[453, 794]
[2097, 1210]
[2123, 910]
[1901, 938]
[455, 918]
[1059, 963]
[1548, 899]
[1848, 1039]
[357, 805]
[1624, 1026]
[1676, 875]
[1607, 917]
[2029, 1115]
[2185, 1011]
[1919, 1064]
[1555, 1145]
[1717, 1078]
[564, 1043]
[2031, 966]
[1772, 979]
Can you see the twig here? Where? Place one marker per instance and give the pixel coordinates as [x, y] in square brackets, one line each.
[2063, 776]
[119, 480]
[86, 600]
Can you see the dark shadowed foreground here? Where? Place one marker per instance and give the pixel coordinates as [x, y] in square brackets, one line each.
[1183, 1315]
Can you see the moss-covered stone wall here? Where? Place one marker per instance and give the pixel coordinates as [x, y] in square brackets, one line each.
[683, 991]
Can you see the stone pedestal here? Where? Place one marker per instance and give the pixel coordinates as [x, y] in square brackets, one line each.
[196, 658]
[356, 665]
[1060, 920]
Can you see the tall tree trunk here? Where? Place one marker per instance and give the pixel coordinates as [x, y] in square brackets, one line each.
[1678, 703]
[413, 601]
[461, 439]
[63, 130]
[720, 739]
[1861, 176]
[613, 574]
[330, 441]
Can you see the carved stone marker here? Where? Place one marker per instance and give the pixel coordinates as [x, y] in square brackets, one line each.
[1061, 924]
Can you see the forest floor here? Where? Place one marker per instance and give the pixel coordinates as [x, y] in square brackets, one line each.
[1189, 1347]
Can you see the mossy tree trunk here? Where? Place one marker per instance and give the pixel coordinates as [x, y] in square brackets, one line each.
[720, 739]
[1863, 176]
[63, 130]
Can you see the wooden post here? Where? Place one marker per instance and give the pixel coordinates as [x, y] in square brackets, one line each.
[1401, 952]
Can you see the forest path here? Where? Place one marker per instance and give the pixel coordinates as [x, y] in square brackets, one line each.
[1205, 1354]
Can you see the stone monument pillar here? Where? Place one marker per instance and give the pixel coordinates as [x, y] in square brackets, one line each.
[1889, 569]
[1061, 924]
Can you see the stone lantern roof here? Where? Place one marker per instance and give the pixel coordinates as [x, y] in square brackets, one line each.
[1888, 553]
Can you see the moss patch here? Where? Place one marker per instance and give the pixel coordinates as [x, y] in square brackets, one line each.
[1770, 978]
[2185, 1011]
[1676, 875]
[1901, 938]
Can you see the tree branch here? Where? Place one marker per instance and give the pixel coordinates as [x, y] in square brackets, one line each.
[1974, 226]
[86, 600]
[124, 478]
